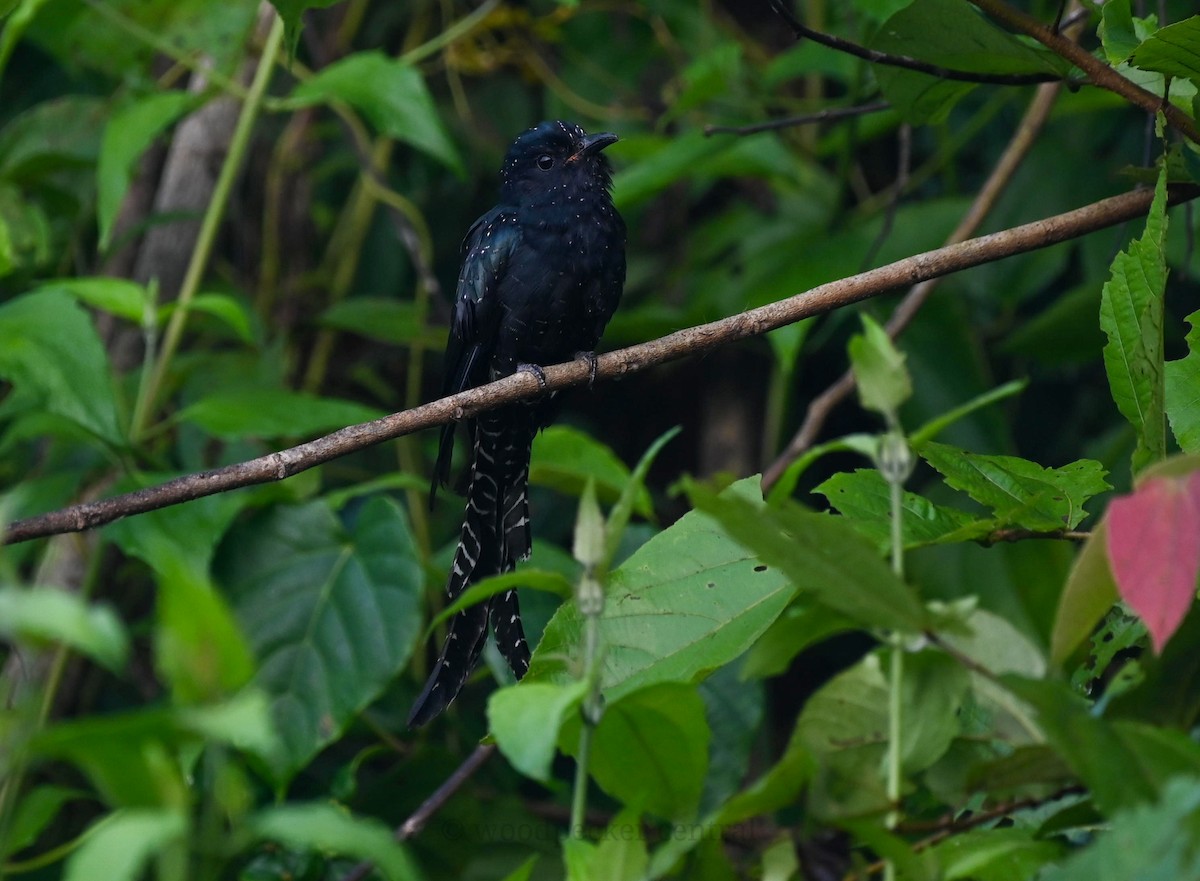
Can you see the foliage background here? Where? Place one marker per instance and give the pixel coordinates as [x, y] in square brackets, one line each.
[218, 689]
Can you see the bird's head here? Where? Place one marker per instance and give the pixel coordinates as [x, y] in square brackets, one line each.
[556, 156]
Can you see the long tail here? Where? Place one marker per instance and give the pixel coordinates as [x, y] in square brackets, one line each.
[495, 535]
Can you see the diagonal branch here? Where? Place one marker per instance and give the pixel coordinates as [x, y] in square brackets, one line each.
[1097, 71]
[803, 31]
[694, 340]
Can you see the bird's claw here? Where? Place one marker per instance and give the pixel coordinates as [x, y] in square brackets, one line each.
[590, 358]
[538, 373]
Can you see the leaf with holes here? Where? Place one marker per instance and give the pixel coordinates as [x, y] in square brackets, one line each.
[688, 601]
[332, 613]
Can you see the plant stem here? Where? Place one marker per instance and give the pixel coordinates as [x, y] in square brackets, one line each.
[895, 462]
[212, 218]
[591, 711]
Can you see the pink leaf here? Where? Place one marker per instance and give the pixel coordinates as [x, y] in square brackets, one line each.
[1154, 549]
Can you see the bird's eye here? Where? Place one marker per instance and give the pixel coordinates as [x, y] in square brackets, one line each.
[545, 163]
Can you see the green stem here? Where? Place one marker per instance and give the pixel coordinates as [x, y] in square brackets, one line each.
[591, 714]
[213, 216]
[896, 475]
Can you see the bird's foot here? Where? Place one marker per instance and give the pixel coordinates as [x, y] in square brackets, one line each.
[590, 358]
[537, 371]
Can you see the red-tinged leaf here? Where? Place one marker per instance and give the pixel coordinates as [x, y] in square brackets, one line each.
[1154, 549]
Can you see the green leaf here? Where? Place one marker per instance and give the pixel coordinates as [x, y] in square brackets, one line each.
[686, 602]
[117, 296]
[198, 647]
[332, 613]
[324, 827]
[565, 459]
[391, 94]
[995, 854]
[526, 718]
[821, 555]
[620, 855]
[243, 722]
[1131, 315]
[534, 579]
[1019, 491]
[1151, 841]
[632, 492]
[1116, 30]
[938, 424]
[229, 310]
[291, 11]
[270, 413]
[51, 614]
[948, 34]
[1173, 50]
[384, 319]
[1183, 391]
[883, 380]
[118, 847]
[864, 499]
[51, 353]
[650, 750]
[802, 624]
[1089, 593]
[129, 132]
[34, 812]
[779, 787]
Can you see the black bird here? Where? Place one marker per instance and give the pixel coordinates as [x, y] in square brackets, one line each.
[541, 276]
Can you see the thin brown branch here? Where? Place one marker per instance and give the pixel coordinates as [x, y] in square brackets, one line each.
[803, 31]
[411, 827]
[691, 341]
[826, 115]
[1098, 73]
[824, 403]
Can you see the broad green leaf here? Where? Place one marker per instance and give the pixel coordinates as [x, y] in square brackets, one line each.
[291, 11]
[1116, 30]
[954, 35]
[129, 132]
[995, 854]
[778, 787]
[179, 537]
[1183, 391]
[1131, 315]
[802, 624]
[688, 601]
[60, 134]
[620, 855]
[565, 458]
[243, 722]
[53, 615]
[524, 871]
[1173, 50]
[117, 296]
[1021, 492]
[654, 162]
[268, 413]
[883, 380]
[1089, 593]
[332, 613]
[821, 555]
[325, 827]
[35, 811]
[534, 579]
[650, 750]
[864, 499]
[931, 697]
[198, 648]
[51, 353]
[1148, 841]
[631, 493]
[118, 847]
[223, 307]
[734, 709]
[526, 718]
[384, 319]
[391, 94]
[937, 425]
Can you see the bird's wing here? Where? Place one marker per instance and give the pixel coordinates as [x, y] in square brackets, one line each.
[487, 247]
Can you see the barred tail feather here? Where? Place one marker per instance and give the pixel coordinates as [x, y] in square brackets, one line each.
[495, 534]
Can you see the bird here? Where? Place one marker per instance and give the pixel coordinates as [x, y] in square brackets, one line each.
[542, 273]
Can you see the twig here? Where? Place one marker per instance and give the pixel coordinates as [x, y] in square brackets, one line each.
[946, 73]
[523, 385]
[826, 115]
[1099, 73]
[411, 827]
[903, 169]
[1011, 535]
[824, 403]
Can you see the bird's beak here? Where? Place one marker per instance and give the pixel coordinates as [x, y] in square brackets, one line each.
[593, 144]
